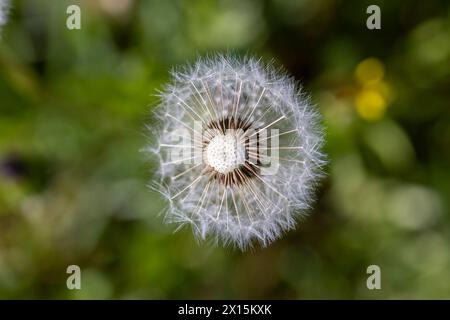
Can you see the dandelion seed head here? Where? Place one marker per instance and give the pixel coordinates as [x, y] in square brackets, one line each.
[239, 147]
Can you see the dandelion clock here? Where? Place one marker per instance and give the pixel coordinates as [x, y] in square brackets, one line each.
[239, 150]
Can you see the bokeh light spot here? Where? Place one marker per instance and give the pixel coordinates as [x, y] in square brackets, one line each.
[370, 105]
[369, 71]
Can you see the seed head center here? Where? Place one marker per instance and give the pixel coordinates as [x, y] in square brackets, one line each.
[225, 152]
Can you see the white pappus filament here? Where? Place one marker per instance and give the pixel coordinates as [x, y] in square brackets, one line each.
[239, 150]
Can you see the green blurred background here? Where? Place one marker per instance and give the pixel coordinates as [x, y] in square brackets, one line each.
[73, 105]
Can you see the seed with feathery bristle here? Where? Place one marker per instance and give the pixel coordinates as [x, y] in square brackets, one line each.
[239, 150]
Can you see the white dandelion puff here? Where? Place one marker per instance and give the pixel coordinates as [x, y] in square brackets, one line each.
[239, 149]
[4, 9]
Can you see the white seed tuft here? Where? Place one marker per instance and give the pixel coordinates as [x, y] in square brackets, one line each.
[239, 150]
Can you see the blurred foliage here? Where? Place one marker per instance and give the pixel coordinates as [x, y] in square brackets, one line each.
[73, 104]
